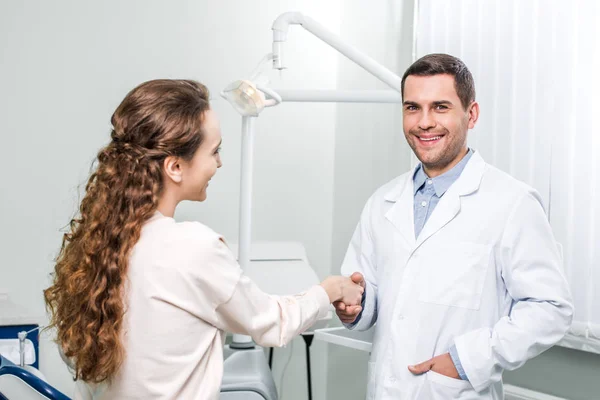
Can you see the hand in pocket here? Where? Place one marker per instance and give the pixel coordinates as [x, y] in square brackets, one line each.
[441, 364]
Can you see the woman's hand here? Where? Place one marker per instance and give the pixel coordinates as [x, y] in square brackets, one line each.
[346, 313]
[342, 288]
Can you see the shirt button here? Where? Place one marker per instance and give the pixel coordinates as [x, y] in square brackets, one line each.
[429, 182]
[400, 317]
[392, 379]
[423, 203]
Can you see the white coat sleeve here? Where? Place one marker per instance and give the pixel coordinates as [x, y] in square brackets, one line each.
[542, 309]
[360, 258]
[271, 321]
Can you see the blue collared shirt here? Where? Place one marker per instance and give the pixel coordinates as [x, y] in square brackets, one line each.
[427, 194]
[429, 191]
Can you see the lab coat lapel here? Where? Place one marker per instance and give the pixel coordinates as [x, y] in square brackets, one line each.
[401, 214]
[449, 205]
[444, 212]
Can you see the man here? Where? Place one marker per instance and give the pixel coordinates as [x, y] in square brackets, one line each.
[460, 267]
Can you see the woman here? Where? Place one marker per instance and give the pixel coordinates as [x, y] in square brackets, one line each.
[141, 302]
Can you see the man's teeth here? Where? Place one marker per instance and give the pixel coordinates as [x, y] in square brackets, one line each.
[430, 139]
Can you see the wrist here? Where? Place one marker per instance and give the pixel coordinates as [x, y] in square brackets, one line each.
[333, 288]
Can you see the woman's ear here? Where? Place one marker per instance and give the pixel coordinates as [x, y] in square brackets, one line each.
[173, 168]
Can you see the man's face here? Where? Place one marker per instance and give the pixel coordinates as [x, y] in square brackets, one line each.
[435, 122]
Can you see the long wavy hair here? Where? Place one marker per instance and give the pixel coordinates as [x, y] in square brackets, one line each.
[86, 301]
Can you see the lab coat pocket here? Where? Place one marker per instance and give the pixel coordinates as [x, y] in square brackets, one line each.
[454, 275]
[444, 387]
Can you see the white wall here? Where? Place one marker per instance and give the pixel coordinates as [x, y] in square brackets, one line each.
[66, 65]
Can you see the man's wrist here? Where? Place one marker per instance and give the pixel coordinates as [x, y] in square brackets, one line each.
[457, 364]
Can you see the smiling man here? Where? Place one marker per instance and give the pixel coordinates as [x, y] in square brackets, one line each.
[460, 267]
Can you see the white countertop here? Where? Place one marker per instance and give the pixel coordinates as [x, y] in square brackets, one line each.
[347, 338]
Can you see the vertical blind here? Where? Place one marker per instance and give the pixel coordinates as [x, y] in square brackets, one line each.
[536, 66]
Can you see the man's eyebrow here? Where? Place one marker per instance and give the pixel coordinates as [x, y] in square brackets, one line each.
[442, 103]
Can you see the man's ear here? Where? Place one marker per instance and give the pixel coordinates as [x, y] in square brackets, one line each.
[173, 168]
[473, 114]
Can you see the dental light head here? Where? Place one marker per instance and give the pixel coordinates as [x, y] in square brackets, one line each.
[247, 96]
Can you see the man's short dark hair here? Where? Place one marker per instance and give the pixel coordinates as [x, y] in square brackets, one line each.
[437, 64]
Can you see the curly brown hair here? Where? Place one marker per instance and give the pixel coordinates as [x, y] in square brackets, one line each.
[86, 301]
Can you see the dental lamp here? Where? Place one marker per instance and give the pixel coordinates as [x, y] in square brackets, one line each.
[251, 96]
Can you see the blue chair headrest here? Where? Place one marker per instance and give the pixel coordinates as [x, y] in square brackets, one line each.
[9, 368]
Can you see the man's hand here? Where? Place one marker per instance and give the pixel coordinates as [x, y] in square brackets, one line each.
[441, 364]
[347, 314]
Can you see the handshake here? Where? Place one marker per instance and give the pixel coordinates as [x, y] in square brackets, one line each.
[346, 295]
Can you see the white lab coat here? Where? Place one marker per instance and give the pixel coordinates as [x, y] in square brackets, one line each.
[485, 273]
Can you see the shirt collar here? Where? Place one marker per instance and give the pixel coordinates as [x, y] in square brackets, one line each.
[443, 182]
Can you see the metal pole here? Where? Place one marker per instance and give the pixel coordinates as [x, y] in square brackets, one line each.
[245, 341]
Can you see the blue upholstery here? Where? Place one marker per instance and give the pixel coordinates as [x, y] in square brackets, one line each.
[43, 388]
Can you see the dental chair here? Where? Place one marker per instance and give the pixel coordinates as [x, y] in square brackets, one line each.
[18, 383]
[247, 376]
